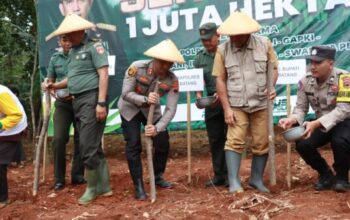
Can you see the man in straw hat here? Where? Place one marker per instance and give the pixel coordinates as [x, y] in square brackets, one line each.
[214, 115]
[137, 96]
[326, 89]
[87, 81]
[241, 69]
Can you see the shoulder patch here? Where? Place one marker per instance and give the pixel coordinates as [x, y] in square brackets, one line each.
[132, 71]
[300, 85]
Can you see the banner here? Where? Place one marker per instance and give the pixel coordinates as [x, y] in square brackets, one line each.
[293, 26]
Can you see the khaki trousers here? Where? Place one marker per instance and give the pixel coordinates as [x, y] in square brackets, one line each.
[256, 122]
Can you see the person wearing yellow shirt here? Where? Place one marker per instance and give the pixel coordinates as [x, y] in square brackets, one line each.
[13, 121]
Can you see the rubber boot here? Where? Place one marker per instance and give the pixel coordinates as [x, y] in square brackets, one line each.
[233, 161]
[161, 182]
[90, 192]
[103, 187]
[135, 168]
[257, 172]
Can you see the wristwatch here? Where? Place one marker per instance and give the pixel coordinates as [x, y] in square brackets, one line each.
[102, 104]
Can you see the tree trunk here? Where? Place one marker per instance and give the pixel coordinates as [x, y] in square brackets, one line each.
[32, 81]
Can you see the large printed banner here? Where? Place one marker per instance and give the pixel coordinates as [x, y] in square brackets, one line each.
[293, 26]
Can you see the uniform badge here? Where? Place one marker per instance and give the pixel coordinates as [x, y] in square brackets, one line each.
[300, 85]
[176, 86]
[334, 88]
[132, 71]
[202, 32]
[150, 71]
[100, 50]
[314, 52]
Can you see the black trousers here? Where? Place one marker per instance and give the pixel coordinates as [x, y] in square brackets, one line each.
[339, 139]
[63, 119]
[132, 136]
[89, 129]
[7, 152]
[217, 130]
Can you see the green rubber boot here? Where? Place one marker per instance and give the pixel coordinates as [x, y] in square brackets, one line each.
[103, 187]
[90, 192]
[257, 172]
[233, 161]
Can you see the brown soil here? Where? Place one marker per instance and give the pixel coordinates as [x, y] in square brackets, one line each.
[184, 201]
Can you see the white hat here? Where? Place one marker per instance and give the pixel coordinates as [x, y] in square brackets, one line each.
[71, 23]
[238, 23]
[165, 50]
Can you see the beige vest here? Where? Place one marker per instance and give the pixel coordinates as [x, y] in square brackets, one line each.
[246, 73]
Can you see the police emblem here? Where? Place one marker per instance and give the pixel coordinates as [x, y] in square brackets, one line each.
[202, 32]
[132, 71]
[314, 52]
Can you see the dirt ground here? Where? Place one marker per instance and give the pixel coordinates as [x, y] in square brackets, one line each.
[184, 201]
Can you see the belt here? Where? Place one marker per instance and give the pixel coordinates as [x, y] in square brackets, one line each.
[84, 93]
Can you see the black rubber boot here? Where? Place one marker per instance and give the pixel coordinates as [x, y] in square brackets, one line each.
[135, 168]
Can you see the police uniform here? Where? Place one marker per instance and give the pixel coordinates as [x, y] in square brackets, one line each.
[13, 121]
[214, 116]
[83, 83]
[139, 81]
[334, 117]
[63, 118]
[245, 70]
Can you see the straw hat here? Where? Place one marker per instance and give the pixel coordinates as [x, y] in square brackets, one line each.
[71, 23]
[165, 50]
[238, 23]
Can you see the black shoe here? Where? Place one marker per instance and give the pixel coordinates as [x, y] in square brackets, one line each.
[325, 182]
[162, 183]
[216, 182]
[58, 186]
[78, 181]
[341, 186]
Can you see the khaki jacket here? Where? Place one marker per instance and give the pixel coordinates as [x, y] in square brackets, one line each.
[322, 99]
[138, 83]
[246, 72]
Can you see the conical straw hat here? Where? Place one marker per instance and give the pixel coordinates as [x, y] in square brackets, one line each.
[238, 23]
[71, 23]
[165, 50]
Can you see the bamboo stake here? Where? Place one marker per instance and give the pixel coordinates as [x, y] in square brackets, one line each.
[189, 135]
[270, 126]
[45, 158]
[289, 146]
[41, 141]
[149, 145]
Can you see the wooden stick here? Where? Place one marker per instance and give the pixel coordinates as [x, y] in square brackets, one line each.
[289, 146]
[45, 158]
[41, 141]
[149, 145]
[189, 135]
[270, 125]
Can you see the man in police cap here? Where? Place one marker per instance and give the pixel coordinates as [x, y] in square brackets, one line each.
[214, 115]
[326, 89]
[240, 67]
[134, 104]
[87, 81]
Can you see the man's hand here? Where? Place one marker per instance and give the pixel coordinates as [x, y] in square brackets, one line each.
[101, 113]
[310, 127]
[150, 130]
[286, 123]
[272, 94]
[230, 118]
[153, 98]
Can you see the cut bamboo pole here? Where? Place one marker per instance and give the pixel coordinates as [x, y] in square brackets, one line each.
[289, 146]
[189, 164]
[270, 125]
[149, 145]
